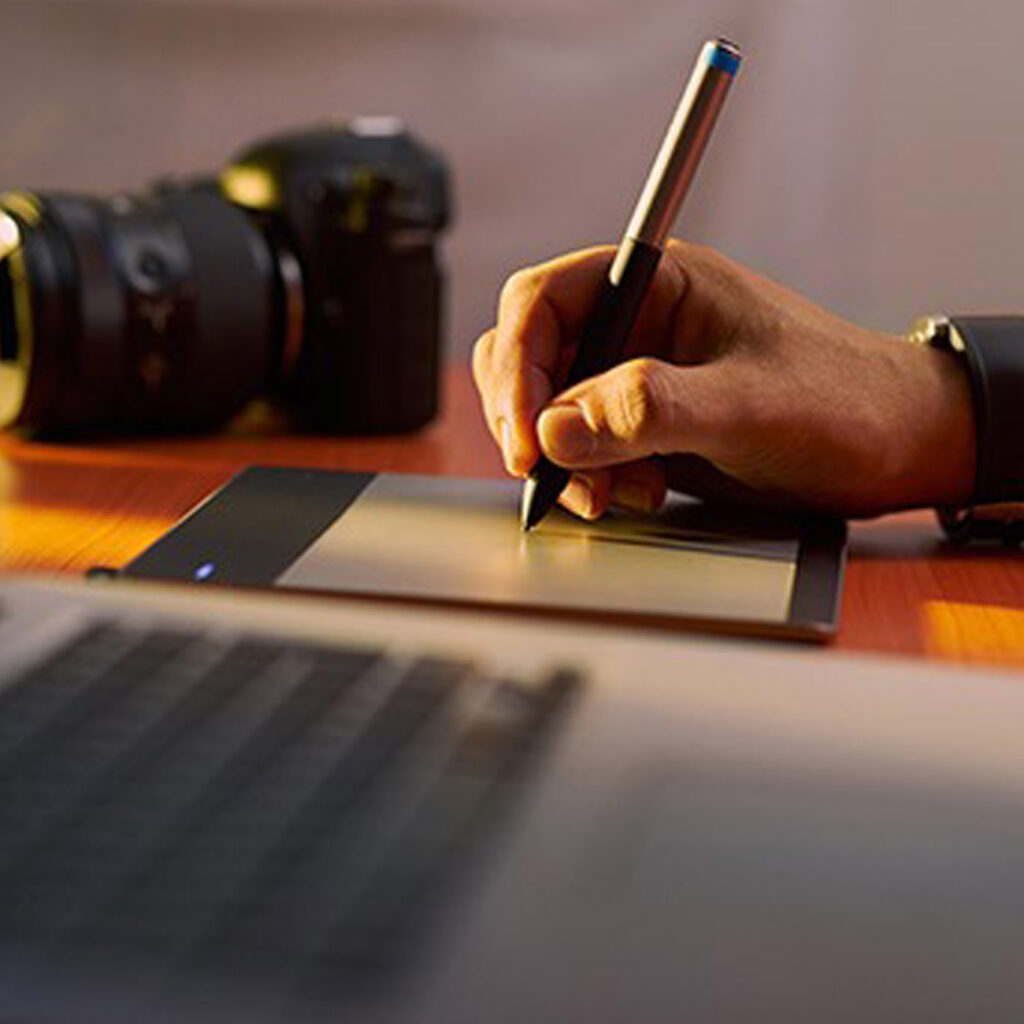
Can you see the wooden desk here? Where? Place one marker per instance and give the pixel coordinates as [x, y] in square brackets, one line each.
[65, 507]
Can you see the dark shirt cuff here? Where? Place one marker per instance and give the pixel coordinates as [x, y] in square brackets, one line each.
[995, 360]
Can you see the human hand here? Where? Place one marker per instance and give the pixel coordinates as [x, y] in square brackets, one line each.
[732, 388]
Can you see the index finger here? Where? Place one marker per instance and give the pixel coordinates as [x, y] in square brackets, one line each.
[520, 364]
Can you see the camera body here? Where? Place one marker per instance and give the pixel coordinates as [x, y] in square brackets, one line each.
[307, 272]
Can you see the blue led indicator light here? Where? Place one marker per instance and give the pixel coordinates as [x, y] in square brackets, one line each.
[205, 571]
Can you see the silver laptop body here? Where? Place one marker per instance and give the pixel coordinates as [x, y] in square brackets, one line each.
[490, 819]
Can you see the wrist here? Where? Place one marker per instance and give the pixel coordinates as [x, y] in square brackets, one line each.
[948, 437]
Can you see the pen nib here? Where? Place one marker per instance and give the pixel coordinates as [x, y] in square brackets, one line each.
[528, 517]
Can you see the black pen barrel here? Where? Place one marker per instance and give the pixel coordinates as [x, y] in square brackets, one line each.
[606, 333]
[602, 342]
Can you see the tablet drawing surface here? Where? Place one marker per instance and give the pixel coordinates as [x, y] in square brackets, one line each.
[461, 540]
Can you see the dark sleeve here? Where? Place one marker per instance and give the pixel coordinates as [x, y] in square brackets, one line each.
[995, 359]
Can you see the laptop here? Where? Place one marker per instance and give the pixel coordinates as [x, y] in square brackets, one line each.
[224, 806]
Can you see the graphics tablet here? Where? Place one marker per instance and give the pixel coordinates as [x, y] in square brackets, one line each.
[458, 542]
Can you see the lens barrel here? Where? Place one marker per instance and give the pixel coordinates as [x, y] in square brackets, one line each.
[145, 313]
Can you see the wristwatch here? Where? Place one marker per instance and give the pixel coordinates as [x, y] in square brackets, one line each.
[992, 348]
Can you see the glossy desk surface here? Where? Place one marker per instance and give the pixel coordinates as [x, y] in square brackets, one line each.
[66, 507]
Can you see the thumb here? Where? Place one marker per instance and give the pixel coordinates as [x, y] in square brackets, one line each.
[640, 408]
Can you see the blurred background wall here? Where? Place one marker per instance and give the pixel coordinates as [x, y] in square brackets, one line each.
[872, 154]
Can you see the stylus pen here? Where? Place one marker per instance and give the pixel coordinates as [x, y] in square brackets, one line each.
[636, 258]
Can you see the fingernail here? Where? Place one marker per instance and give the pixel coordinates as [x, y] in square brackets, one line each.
[505, 433]
[631, 494]
[565, 434]
[580, 496]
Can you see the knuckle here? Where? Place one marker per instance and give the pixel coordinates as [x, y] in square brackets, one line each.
[681, 248]
[691, 252]
[522, 285]
[482, 352]
[707, 255]
[636, 411]
[702, 261]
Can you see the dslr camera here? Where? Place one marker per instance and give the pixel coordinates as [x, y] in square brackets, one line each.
[306, 272]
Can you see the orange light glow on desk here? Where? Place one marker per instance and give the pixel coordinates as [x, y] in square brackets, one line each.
[61, 539]
[974, 632]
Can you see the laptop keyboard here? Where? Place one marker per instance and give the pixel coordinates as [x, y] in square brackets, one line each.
[235, 803]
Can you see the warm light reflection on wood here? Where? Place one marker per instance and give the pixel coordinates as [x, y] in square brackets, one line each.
[55, 538]
[974, 632]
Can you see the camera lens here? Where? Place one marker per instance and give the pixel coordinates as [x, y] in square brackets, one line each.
[307, 273]
[11, 373]
[153, 312]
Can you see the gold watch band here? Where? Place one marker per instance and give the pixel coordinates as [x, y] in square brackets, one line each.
[937, 331]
